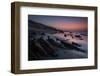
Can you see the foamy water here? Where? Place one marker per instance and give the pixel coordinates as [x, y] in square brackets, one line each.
[83, 42]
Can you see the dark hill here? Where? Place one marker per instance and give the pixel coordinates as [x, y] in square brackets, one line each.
[39, 27]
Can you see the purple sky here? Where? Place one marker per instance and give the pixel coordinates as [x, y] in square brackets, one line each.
[62, 22]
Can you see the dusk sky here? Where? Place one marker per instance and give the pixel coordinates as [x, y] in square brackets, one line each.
[64, 23]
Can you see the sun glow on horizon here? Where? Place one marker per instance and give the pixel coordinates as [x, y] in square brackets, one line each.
[63, 23]
[70, 26]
